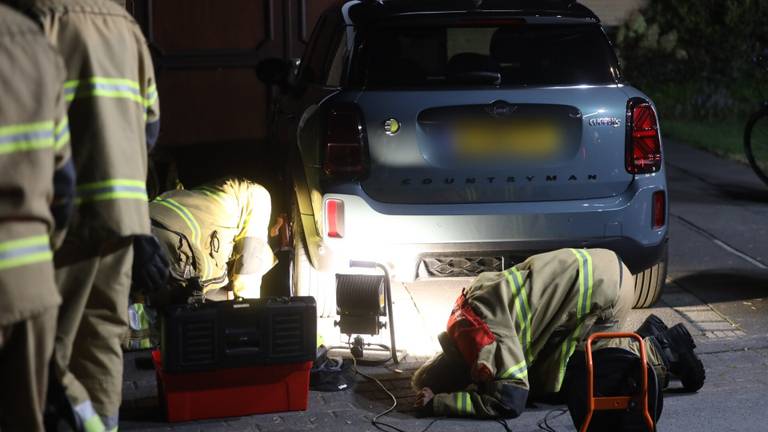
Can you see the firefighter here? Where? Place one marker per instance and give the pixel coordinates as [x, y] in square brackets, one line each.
[37, 189]
[511, 334]
[114, 118]
[215, 238]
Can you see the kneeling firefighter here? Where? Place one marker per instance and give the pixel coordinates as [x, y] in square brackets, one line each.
[511, 335]
[215, 238]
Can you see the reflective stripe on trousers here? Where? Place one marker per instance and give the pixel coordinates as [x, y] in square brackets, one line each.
[111, 423]
[88, 417]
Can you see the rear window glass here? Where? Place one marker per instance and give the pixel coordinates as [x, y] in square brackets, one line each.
[508, 56]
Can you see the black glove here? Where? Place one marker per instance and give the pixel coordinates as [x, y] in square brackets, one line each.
[150, 266]
[63, 194]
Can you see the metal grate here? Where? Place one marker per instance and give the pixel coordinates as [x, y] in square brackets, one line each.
[462, 266]
[287, 335]
[199, 345]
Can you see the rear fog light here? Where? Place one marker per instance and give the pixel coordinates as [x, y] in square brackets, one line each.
[334, 218]
[659, 209]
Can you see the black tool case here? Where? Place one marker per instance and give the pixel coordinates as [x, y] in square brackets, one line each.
[238, 333]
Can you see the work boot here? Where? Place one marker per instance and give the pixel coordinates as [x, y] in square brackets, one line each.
[677, 346]
[652, 340]
[652, 326]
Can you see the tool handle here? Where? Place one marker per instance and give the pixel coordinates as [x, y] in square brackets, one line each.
[591, 399]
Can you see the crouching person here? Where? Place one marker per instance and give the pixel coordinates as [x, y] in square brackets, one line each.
[214, 239]
[511, 334]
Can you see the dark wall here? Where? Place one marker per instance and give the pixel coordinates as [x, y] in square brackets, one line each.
[213, 108]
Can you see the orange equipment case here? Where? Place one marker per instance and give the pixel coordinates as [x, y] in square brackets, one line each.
[595, 403]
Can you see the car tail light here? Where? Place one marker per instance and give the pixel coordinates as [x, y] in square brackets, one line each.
[643, 154]
[344, 150]
[659, 211]
[334, 218]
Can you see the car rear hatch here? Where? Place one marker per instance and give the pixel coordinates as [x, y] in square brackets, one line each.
[491, 111]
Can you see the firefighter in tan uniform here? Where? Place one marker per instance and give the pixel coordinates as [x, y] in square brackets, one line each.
[35, 169]
[217, 235]
[515, 331]
[114, 114]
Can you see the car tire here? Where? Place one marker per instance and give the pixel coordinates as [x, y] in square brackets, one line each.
[308, 281]
[649, 283]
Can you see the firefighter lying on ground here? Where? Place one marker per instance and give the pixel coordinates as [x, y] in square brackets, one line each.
[511, 334]
[214, 238]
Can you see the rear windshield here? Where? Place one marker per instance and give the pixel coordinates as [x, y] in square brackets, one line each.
[511, 55]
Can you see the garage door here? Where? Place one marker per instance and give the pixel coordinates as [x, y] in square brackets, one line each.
[205, 52]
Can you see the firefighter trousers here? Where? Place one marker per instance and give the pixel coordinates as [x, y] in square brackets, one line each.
[25, 351]
[621, 312]
[95, 280]
[620, 323]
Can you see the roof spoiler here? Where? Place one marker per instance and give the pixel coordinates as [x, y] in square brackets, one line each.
[571, 8]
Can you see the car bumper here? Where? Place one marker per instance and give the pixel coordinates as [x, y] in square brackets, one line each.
[398, 235]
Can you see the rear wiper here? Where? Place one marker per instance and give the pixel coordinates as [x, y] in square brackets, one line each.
[476, 77]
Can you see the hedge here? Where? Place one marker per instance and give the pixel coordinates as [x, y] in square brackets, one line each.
[694, 58]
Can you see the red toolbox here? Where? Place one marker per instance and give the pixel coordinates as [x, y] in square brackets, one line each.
[232, 392]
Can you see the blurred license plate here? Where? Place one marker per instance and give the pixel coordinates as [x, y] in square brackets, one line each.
[521, 138]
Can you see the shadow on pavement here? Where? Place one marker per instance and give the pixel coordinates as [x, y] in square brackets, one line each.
[743, 193]
[144, 410]
[725, 285]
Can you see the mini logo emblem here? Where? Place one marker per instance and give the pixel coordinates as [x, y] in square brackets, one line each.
[500, 109]
[391, 126]
[605, 121]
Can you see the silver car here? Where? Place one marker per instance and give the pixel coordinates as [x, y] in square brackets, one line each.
[446, 138]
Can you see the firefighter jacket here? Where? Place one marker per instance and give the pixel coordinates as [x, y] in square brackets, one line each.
[34, 144]
[521, 326]
[216, 232]
[113, 109]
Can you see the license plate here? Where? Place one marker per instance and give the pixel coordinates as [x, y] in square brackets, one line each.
[532, 139]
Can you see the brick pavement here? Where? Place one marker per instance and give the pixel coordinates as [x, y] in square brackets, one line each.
[736, 370]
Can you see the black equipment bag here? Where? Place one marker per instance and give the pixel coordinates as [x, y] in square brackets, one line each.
[238, 333]
[617, 373]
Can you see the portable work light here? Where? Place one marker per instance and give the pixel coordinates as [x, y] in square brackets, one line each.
[361, 302]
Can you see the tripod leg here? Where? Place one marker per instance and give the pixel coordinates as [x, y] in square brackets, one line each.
[391, 315]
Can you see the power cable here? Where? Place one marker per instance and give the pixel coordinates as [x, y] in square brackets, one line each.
[375, 421]
[544, 425]
[380, 425]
